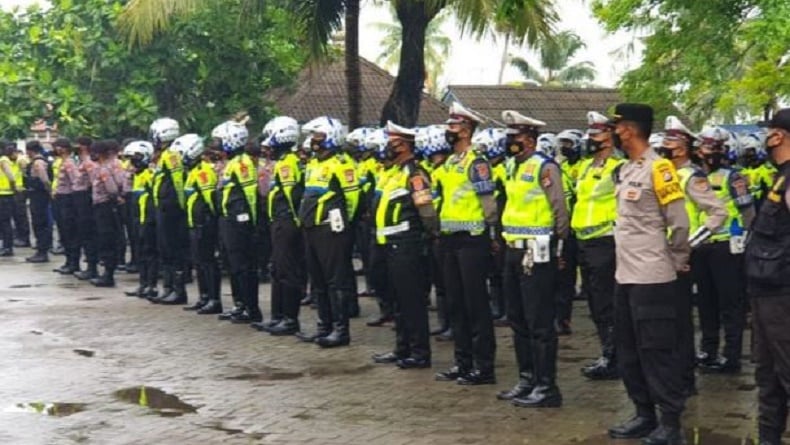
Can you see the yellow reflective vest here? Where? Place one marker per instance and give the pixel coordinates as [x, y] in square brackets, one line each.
[199, 191]
[528, 212]
[239, 200]
[464, 177]
[331, 183]
[595, 209]
[287, 185]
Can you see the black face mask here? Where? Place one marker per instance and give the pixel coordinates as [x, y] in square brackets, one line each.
[665, 152]
[139, 164]
[451, 137]
[94, 157]
[714, 160]
[513, 147]
[594, 146]
[390, 152]
[568, 153]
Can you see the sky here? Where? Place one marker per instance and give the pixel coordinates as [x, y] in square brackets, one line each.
[477, 62]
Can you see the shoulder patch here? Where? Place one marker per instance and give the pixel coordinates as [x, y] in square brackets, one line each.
[700, 183]
[665, 182]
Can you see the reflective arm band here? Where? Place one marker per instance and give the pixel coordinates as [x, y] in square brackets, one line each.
[699, 236]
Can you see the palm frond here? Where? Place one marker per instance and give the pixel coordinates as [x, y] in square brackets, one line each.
[577, 74]
[526, 70]
[318, 19]
[141, 20]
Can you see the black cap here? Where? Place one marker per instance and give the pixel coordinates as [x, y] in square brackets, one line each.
[781, 120]
[641, 113]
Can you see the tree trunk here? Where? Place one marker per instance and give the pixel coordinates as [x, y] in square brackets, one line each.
[505, 57]
[403, 105]
[353, 75]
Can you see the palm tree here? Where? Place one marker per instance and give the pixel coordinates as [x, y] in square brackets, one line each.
[527, 21]
[555, 68]
[437, 47]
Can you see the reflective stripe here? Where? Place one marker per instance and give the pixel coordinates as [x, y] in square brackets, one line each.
[518, 244]
[605, 229]
[534, 231]
[474, 227]
[392, 230]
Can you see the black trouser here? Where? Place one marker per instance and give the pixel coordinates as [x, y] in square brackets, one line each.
[148, 254]
[443, 306]
[364, 242]
[405, 265]
[495, 280]
[237, 237]
[353, 297]
[565, 287]
[108, 229]
[329, 265]
[124, 237]
[288, 266]
[21, 221]
[6, 216]
[597, 257]
[264, 238]
[648, 347]
[86, 226]
[41, 220]
[172, 236]
[721, 298]
[686, 329]
[68, 228]
[531, 313]
[133, 229]
[466, 261]
[203, 238]
[772, 356]
[379, 279]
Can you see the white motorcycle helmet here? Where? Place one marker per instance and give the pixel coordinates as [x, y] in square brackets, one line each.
[281, 133]
[140, 152]
[331, 128]
[190, 147]
[164, 130]
[546, 144]
[233, 135]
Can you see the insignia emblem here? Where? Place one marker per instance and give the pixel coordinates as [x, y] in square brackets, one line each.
[349, 175]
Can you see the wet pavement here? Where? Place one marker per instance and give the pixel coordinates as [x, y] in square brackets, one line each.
[82, 365]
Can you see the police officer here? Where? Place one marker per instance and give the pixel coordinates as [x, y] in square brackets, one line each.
[718, 263]
[21, 220]
[202, 221]
[468, 234]
[105, 191]
[8, 188]
[706, 215]
[281, 135]
[534, 226]
[86, 223]
[330, 202]
[435, 148]
[405, 217]
[593, 225]
[142, 218]
[39, 188]
[768, 281]
[68, 175]
[569, 143]
[651, 245]
[168, 195]
[238, 210]
[491, 142]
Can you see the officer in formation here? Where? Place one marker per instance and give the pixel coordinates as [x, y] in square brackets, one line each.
[768, 284]
[453, 213]
[535, 227]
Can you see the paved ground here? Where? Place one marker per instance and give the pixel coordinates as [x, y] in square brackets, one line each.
[209, 382]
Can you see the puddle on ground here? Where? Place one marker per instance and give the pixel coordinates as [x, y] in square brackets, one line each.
[47, 409]
[91, 298]
[234, 431]
[694, 436]
[14, 301]
[35, 332]
[84, 352]
[164, 404]
[25, 286]
[332, 371]
[267, 373]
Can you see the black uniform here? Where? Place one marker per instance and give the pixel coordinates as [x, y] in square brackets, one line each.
[768, 281]
[40, 201]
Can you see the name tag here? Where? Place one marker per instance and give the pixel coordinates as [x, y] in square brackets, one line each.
[632, 194]
[244, 217]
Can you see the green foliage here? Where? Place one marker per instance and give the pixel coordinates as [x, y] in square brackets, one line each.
[201, 71]
[719, 60]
